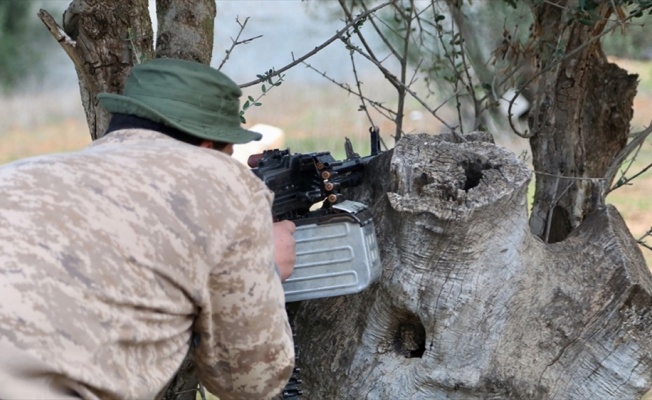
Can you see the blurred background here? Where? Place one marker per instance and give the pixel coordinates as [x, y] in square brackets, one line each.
[41, 110]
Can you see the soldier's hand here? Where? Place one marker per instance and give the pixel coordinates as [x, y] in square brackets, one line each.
[284, 247]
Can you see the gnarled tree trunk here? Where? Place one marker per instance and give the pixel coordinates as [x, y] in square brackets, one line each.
[104, 40]
[580, 119]
[471, 304]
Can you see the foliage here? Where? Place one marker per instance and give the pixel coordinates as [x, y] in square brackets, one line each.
[251, 102]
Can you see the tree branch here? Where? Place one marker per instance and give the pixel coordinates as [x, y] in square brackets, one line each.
[237, 41]
[68, 45]
[638, 140]
[338, 35]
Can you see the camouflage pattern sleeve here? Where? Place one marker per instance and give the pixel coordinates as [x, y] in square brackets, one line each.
[246, 349]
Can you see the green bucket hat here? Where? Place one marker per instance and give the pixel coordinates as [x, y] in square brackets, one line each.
[185, 95]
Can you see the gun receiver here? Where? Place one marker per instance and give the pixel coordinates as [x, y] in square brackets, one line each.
[301, 180]
[337, 252]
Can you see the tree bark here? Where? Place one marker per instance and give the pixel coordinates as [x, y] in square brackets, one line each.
[580, 119]
[185, 29]
[471, 304]
[103, 39]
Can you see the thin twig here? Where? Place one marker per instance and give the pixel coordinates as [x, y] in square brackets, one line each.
[398, 121]
[338, 35]
[377, 105]
[403, 59]
[552, 208]
[625, 181]
[642, 243]
[386, 42]
[68, 45]
[451, 59]
[237, 41]
[363, 106]
[635, 143]
[390, 77]
[572, 178]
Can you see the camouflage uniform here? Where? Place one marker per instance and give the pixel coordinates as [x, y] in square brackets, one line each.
[111, 256]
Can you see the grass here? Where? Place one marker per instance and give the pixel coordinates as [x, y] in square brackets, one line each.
[68, 134]
[39, 123]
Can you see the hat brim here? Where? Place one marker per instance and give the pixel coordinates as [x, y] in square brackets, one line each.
[115, 103]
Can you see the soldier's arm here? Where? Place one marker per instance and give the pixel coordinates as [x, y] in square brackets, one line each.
[285, 253]
[247, 351]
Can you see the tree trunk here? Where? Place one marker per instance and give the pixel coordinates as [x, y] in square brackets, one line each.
[103, 39]
[185, 29]
[580, 119]
[471, 304]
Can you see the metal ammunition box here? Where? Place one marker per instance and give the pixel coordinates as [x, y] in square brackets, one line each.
[337, 254]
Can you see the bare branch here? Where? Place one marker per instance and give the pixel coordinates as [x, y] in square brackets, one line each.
[363, 106]
[626, 181]
[338, 35]
[635, 143]
[390, 77]
[641, 242]
[68, 45]
[383, 110]
[398, 120]
[237, 41]
[376, 28]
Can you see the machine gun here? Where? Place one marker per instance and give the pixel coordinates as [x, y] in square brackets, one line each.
[300, 181]
[337, 252]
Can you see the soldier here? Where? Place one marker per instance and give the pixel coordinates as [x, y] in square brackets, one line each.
[113, 256]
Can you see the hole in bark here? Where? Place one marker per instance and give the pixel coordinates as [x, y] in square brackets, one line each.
[410, 337]
[560, 225]
[421, 181]
[473, 171]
